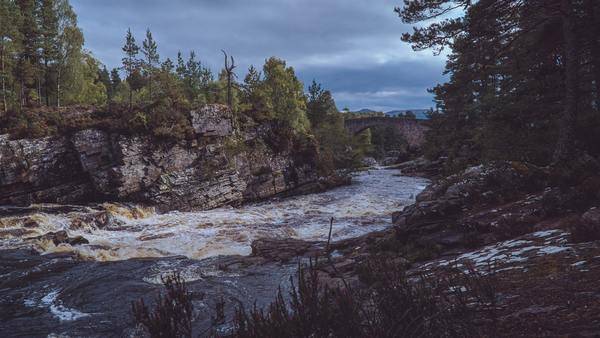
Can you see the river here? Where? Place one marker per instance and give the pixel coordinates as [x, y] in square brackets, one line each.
[86, 289]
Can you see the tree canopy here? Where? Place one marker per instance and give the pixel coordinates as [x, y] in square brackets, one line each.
[524, 77]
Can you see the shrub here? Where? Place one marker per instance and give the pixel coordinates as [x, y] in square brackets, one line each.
[172, 312]
[393, 306]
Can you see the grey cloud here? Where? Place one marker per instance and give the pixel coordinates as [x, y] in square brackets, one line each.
[352, 47]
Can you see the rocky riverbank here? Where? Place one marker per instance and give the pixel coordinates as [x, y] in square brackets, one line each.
[540, 246]
[74, 270]
[224, 164]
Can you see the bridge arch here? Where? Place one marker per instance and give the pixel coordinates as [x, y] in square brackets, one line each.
[412, 129]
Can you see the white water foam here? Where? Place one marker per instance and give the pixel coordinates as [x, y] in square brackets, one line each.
[362, 207]
[55, 306]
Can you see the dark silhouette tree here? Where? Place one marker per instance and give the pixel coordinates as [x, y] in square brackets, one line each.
[130, 62]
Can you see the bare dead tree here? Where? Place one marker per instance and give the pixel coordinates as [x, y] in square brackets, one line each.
[230, 74]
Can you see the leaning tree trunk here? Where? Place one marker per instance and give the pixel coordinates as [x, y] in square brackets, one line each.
[594, 11]
[566, 137]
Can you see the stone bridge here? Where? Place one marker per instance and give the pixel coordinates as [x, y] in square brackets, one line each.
[412, 129]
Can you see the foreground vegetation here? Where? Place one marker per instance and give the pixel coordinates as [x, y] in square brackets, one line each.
[393, 305]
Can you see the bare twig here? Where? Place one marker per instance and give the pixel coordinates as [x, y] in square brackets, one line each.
[329, 237]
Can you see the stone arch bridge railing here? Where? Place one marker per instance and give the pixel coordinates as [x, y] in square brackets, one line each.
[412, 129]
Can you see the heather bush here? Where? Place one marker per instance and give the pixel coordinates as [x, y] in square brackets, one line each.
[171, 315]
[393, 305]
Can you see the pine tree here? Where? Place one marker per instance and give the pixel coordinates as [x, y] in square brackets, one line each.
[181, 68]
[150, 51]
[314, 111]
[27, 71]
[9, 45]
[104, 78]
[115, 80]
[130, 62]
[167, 66]
[71, 57]
[49, 41]
[565, 146]
[510, 57]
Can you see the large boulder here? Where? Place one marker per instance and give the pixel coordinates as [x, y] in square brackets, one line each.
[447, 212]
[212, 120]
[587, 227]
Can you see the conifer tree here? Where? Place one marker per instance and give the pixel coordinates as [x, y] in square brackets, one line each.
[49, 31]
[70, 56]
[130, 62]
[9, 44]
[115, 79]
[167, 66]
[181, 68]
[104, 78]
[27, 71]
[320, 104]
[150, 51]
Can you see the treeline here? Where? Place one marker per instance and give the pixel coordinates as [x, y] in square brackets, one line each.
[42, 60]
[157, 95]
[44, 66]
[524, 78]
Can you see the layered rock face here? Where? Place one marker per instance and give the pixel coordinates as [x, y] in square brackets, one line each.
[222, 165]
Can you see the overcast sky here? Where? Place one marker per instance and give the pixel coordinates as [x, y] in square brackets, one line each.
[352, 47]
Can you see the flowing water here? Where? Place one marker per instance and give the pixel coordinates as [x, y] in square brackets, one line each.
[87, 289]
[357, 209]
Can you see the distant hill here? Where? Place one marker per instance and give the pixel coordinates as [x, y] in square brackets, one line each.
[365, 111]
[421, 114]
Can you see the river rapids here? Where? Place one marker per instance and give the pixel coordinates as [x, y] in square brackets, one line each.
[86, 289]
[357, 209]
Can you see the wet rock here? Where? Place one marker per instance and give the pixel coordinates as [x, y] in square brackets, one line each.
[480, 205]
[559, 201]
[30, 223]
[474, 187]
[61, 237]
[587, 227]
[421, 167]
[369, 162]
[78, 240]
[283, 250]
[321, 185]
[98, 220]
[18, 232]
[491, 183]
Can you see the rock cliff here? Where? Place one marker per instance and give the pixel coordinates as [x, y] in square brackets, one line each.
[222, 165]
